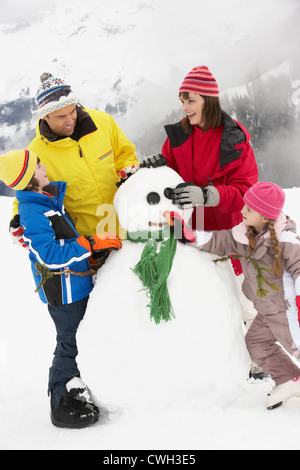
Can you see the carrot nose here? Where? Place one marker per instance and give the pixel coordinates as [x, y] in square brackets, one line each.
[167, 216]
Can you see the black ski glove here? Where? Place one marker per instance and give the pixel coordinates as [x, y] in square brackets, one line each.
[154, 161]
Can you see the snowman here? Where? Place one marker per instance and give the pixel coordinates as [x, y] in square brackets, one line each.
[195, 349]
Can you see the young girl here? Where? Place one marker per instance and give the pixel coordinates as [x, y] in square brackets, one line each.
[54, 242]
[269, 249]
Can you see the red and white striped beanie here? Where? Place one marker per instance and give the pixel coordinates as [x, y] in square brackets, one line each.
[200, 80]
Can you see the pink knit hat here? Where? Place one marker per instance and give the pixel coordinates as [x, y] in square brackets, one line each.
[200, 80]
[265, 198]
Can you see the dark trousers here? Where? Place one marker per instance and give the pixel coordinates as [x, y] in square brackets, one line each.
[66, 319]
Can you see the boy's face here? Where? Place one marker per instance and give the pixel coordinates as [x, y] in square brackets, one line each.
[41, 175]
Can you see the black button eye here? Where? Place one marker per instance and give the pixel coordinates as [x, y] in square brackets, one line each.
[168, 192]
[153, 198]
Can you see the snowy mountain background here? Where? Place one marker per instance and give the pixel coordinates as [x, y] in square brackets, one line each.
[128, 57]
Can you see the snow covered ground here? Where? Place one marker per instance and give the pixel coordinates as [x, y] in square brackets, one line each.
[27, 340]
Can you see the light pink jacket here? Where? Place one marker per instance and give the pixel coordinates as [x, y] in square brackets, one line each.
[236, 241]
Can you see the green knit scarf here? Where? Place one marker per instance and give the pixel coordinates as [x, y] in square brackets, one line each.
[154, 268]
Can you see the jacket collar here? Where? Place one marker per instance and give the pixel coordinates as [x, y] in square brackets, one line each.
[240, 232]
[57, 189]
[232, 141]
[84, 125]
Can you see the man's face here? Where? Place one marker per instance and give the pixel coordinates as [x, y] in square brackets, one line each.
[62, 121]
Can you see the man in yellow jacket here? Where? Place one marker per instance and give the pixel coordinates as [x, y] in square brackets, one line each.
[86, 149]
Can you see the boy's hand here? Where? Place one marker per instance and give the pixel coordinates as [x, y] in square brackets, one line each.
[17, 232]
[181, 232]
[97, 244]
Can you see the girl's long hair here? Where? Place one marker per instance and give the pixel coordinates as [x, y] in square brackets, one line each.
[277, 269]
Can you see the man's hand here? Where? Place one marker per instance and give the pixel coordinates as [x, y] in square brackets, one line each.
[126, 173]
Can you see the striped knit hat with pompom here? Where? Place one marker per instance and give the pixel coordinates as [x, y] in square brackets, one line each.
[53, 94]
[200, 80]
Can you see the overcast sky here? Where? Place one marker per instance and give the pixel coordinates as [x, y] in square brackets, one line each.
[16, 10]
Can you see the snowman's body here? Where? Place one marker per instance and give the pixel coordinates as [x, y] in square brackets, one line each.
[126, 358]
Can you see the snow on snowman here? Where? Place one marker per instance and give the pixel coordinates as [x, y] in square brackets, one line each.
[133, 352]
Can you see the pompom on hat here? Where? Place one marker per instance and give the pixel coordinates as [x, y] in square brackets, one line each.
[17, 167]
[265, 198]
[54, 93]
[200, 80]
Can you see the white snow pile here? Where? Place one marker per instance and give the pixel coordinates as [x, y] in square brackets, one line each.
[191, 413]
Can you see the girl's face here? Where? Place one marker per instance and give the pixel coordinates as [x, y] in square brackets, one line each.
[193, 108]
[41, 176]
[253, 218]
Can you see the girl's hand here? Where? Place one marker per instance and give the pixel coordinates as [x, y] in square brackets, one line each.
[181, 232]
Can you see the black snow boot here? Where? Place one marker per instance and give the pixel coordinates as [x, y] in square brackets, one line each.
[75, 408]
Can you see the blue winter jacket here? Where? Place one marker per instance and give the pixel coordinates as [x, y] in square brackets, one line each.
[51, 237]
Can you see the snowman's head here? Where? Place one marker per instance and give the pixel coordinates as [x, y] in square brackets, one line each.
[141, 202]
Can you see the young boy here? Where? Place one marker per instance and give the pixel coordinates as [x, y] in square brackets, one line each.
[54, 243]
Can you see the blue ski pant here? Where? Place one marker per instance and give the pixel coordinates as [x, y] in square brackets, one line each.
[66, 319]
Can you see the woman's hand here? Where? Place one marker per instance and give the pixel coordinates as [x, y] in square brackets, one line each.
[189, 195]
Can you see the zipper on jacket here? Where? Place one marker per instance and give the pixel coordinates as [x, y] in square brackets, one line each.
[80, 151]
